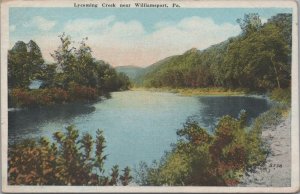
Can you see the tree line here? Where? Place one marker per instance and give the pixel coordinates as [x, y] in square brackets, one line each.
[258, 59]
[75, 75]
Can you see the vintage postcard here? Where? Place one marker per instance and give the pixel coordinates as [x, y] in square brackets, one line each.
[149, 96]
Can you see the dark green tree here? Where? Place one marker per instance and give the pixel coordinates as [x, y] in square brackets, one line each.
[36, 59]
[65, 60]
[25, 64]
[250, 23]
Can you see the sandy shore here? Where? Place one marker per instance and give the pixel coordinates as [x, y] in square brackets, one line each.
[277, 170]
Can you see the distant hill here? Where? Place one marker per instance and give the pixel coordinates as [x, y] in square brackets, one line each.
[139, 80]
[131, 71]
[137, 74]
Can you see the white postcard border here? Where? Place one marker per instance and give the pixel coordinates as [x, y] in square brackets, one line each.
[6, 4]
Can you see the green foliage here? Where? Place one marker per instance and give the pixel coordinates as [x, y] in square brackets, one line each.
[282, 95]
[25, 63]
[257, 149]
[76, 75]
[284, 22]
[258, 59]
[250, 23]
[66, 161]
[204, 159]
[78, 66]
[114, 175]
[126, 178]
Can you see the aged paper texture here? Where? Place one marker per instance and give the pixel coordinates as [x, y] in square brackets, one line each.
[149, 96]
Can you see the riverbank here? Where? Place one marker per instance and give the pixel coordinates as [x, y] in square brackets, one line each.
[277, 169]
[197, 91]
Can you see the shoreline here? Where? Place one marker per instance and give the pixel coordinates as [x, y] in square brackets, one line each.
[195, 91]
[204, 92]
[277, 169]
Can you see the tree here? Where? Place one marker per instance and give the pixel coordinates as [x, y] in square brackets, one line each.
[18, 74]
[78, 66]
[49, 76]
[35, 58]
[65, 59]
[250, 23]
[284, 22]
[258, 61]
[86, 65]
[25, 64]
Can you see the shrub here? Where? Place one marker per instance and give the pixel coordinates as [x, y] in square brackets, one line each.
[203, 159]
[21, 97]
[40, 97]
[49, 96]
[282, 95]
[59, 95]
[82, 93]
[66, 161]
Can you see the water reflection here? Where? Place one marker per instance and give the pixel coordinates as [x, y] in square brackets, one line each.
[24, 122]
[214, 107]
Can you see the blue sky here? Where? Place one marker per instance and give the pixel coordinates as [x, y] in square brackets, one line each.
[130, 36]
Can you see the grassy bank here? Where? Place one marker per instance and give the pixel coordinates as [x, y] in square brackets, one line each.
[212, 91]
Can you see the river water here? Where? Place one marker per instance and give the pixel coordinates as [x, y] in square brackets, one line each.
[138, 125]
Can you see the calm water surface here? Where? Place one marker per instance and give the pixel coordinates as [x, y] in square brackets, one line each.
[138, 125]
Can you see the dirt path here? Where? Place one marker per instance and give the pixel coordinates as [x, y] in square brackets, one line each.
[277, 170]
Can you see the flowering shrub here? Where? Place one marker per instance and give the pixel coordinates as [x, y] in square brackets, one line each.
[40, 97]
[81, 93]
[66, 161]
[49, 96]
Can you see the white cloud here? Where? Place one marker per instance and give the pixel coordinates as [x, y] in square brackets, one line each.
[130, 29]
[41, 23]
[12, 28]
[88, 26]
[128, 43]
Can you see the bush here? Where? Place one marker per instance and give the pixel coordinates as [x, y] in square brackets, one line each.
[282, 95]
[82, 93]
[22, 98]
[203, 159]
[49, 96]
[66, 161]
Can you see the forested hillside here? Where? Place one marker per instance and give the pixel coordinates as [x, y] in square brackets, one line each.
[258, 59]
[140, 75]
